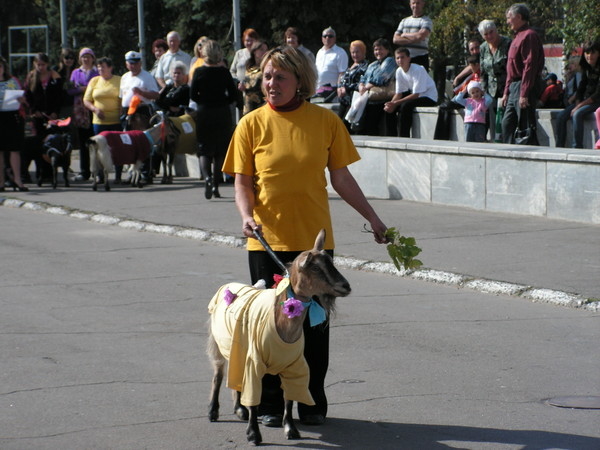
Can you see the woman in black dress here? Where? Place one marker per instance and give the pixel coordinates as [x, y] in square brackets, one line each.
[213, 90]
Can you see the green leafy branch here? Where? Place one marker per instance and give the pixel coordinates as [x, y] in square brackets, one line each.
[401, 249]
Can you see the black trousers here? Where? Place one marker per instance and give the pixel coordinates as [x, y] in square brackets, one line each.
[401, 120]
[316, 346]
[515, 117]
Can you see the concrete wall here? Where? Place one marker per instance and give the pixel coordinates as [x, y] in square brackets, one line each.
[424, 121]
[540, 181]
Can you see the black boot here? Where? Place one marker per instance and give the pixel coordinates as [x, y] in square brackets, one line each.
[208, 188]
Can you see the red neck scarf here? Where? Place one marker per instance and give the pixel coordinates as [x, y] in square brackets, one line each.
[293, 104]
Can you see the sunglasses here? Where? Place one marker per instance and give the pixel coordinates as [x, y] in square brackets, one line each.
[330, 36]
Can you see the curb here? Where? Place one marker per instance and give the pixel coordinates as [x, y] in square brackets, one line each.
[534, 294]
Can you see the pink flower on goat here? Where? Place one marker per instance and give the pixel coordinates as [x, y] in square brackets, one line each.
[229, 297]
[292, 308]
[276, 278]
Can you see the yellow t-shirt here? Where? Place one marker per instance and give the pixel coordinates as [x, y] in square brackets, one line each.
[287, 153]
[104, 94]
[199, 62]
[247, 337]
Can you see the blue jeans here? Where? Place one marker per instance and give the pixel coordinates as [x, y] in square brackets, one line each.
[475, 132]
[578, 118]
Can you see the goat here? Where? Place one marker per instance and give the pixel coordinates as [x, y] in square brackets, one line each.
[122, 147]
[181, 139]
[248, 323]
[57, 150]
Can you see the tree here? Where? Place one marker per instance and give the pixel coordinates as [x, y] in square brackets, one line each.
[580, 22]
[110, 26]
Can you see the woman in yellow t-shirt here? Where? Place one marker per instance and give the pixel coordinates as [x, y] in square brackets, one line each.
[102, 98]
[279, 153]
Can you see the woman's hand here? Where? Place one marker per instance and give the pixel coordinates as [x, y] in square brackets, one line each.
[379, 230]
[248, 227]
[99, 113]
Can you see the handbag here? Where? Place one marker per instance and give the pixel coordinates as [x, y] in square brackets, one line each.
[382, 93]
[526, 132]
[81, 115]
[357, 107]
[29, 128]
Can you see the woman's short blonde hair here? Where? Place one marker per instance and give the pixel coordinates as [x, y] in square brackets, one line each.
[291, 60]
[212, 52]
[359, 44]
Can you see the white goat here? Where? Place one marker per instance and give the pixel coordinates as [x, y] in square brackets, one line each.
[260, 331]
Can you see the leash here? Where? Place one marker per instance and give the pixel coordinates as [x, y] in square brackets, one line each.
[270, 251]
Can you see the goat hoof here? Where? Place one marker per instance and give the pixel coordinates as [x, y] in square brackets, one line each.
[213, 416]
[254, 437]
[292, 433]
[242, 413]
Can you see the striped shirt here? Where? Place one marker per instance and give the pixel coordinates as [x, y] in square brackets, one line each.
[412, 25]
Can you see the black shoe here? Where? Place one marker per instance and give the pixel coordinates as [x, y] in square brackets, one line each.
[81, 177]
[208, 193]
[272, 420]
[216, 193]
[20, 188]
[313, 419]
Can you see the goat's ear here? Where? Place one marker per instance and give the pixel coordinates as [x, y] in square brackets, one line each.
[320, 241]
[304, 260]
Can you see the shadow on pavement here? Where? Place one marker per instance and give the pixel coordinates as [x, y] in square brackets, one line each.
[347, 433]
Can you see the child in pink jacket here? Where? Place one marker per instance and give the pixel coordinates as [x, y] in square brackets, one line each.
[476, 106]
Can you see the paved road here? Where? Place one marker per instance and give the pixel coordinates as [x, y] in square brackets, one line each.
[535, 256]
[103, 334]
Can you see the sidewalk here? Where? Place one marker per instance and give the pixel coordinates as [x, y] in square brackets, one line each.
[532, 257]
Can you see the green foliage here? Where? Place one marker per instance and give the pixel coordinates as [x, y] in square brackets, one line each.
[456, 23]
[402, 250]
[580, 22]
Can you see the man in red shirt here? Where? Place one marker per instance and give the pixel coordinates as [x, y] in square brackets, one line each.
[523, 82]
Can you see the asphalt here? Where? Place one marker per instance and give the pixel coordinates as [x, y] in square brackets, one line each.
[103, 324]
[535, 258]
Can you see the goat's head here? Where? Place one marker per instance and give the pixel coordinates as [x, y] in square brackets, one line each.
[312, 273]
